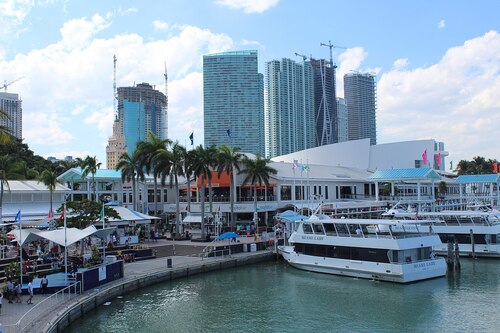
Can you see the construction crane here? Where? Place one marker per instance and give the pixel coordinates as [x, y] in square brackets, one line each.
[4, 87]
[331, 46]
[301, 55]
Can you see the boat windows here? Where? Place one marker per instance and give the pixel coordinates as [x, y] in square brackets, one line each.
[307, 228]
[318, 228]
[462, 238]
[329, 229]
[343, 252]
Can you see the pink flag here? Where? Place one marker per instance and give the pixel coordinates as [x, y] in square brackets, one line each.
[438, 161]
[424, 157]
[51, 214]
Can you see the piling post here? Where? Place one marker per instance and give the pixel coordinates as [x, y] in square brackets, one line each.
[449, 257]
[457, 257]
[472, 243]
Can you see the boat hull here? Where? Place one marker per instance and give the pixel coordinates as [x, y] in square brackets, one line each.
[399, 273]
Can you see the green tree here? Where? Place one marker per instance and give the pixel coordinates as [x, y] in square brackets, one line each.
[229, 161]
[49, 179]
[81, 214]
[5, 133]
[258, 172]
[171, 164]
[20, 152]
[201, 168]
[442, 189]
[131, 170]
[147, 150]
[90, 166]
[478, 165]
[10, 169]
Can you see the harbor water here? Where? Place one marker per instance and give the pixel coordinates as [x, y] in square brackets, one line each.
[274, 297]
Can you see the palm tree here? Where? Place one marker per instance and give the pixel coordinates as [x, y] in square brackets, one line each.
[212, 153]
[257, 172]
[147, 151]
[171, 164]
[201, 168]
[229, 160]
[9, 169]
[90, 165]
[49, 179]
[131, 170]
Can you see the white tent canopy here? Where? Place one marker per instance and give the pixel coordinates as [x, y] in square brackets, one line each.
[129, 216]
[73, 235]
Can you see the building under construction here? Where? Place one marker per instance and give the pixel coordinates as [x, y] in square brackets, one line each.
[11, 105]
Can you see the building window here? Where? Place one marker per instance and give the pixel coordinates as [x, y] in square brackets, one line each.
[286, 192]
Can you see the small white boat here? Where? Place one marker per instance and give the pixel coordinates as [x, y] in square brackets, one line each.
[386, 250]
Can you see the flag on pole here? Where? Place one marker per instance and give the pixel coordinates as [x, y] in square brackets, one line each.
[295, 165]
[438, 160]
[495, 167]
[101, 215]
[228, 133]
[18, 217]
[51, 214]
[191, 137]
[424, 157]
[61, 218]
[451, 165]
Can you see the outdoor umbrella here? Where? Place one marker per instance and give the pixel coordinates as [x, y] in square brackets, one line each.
[229, 235]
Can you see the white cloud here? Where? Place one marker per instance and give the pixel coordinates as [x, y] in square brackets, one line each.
[12, 15]
[441, 24]
[160, 25]
[349, 60]
[246, 42]
[454, 101]
[77, 33]
[249, 6]
[67, 91]
[400, 64]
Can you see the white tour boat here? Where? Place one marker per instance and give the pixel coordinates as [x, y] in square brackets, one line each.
[477, 232]
[387, 250]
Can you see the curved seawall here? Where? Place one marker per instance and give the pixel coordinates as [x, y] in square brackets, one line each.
[153, 272]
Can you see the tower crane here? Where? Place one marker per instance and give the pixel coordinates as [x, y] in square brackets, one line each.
[301, 55]
[4, 87]
[331, 46]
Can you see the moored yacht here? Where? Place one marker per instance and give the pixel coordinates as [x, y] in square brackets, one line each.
[386, 250]
[476, 232]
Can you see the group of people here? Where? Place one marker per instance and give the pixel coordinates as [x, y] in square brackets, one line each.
[14, 291]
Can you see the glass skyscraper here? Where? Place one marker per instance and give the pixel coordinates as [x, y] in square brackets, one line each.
[361, 101]
[141, 109]
[289, 107]
[233, 101]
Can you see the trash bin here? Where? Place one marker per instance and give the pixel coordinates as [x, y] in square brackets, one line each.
[169, 263]
[253, 247]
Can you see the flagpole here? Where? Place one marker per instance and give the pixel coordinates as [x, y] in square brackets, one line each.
[20, 251]
[106, 239]
[65, 246]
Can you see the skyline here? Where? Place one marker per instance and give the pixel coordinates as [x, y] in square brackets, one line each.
[437, 66]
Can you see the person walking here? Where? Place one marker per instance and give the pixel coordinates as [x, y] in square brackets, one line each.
[30, 293]
[44, 283]
[18, 291]
[10, 290]
[1, 299]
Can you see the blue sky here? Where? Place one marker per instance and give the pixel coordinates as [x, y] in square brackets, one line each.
[437, 62]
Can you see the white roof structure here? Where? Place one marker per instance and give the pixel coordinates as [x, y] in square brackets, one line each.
[128, 215]
[60, 236]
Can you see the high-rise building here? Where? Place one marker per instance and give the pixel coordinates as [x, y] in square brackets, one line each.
[289, 107]
[12, 106]
[342, 120]
[140, 109]
[116, 146]
[361, 100]
[325, 102]
[233, 101]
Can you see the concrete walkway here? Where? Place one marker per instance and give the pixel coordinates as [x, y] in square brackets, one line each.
[11, 313]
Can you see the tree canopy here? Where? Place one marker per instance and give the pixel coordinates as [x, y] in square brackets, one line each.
[478, 165]
[81, 214]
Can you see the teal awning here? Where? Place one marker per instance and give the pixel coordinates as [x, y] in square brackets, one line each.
[488, 178]
[414, 174]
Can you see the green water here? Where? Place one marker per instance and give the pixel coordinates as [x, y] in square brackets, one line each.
[274, 297]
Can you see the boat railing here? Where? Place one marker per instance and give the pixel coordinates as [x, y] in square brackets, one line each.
[375, 235]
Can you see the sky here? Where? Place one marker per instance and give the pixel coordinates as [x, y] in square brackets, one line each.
[437, 62]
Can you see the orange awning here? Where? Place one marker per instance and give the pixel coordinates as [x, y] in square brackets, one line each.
[223, 181]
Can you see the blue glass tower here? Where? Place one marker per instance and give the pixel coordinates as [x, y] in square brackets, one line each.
[233, 101]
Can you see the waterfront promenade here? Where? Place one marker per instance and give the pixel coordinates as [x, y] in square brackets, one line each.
[185, 257]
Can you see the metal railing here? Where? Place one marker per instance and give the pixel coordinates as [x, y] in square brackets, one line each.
[43, 308]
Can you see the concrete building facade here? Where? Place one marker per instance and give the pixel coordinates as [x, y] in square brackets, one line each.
[289, 107]
[361, 100]
[233, 101]
[13, 108]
